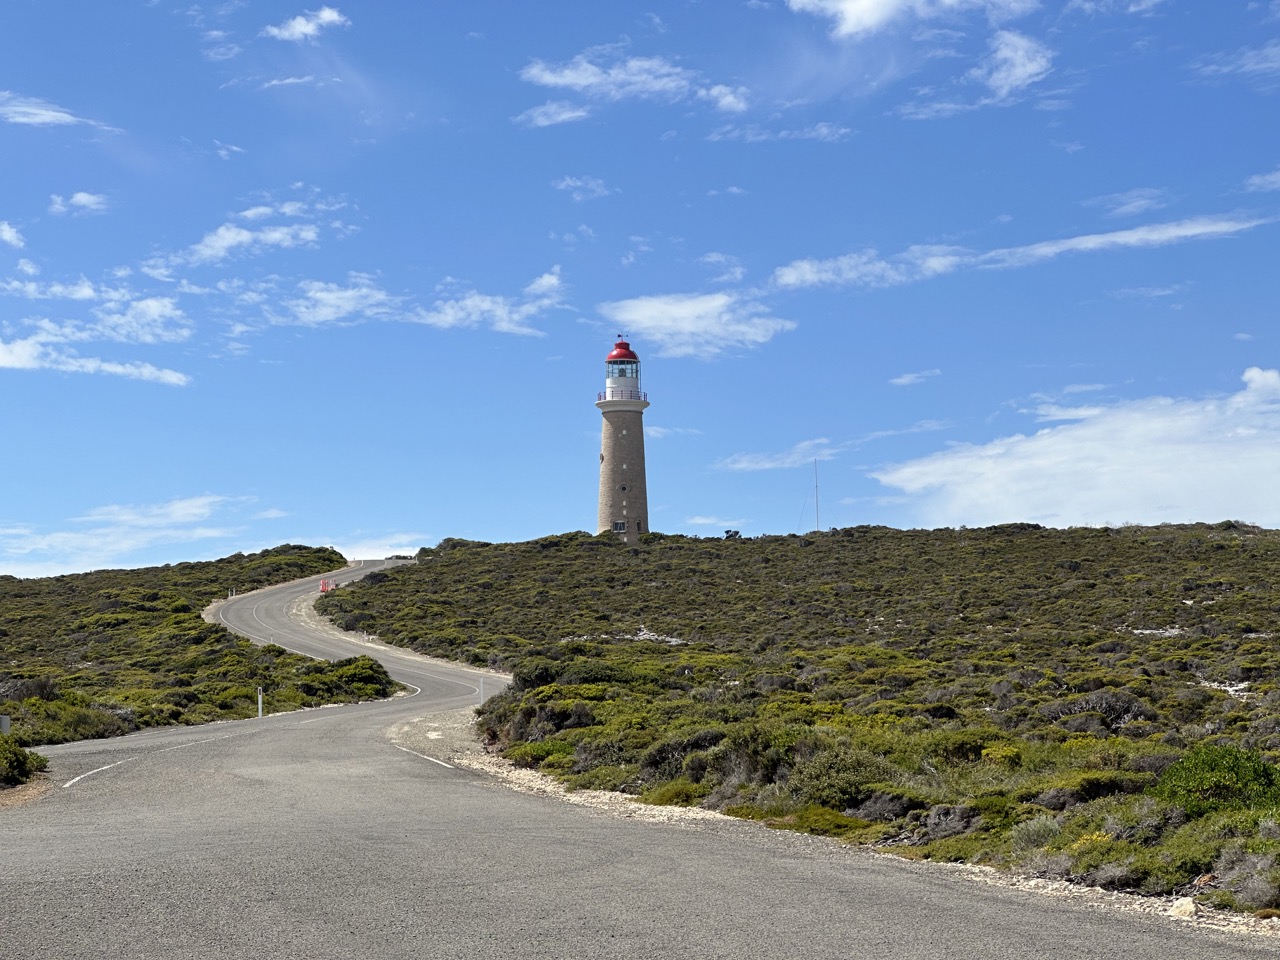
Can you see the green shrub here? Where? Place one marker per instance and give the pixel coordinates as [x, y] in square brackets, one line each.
[1034, 833]
[1212, 778]
[838, 777]
[680, 792]
[16, 764]
[533, 754]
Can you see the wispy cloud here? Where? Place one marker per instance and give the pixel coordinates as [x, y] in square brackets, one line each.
[696, 324]
[9, 234]
[503, 314]
[583, 188]
[868, 269]
[1152, 460]
[113, 535]
[858, 18]
[801, 455]
[289, 82]
[1264, 181]
[79, 202]
[729, 269]
[328, 303]
[41, 352]
[551, 113]
[231, 238]
[307, 26]
[1131, 202]
[754, 133]
[920, 426]
[1260, 64]
[604, 74]
[911, 379]
[720, 523]
[1153, 235]
[1015, 62]
[1109, 6]
[32, 111]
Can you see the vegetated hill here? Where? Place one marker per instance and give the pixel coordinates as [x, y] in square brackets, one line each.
[1100, 704]
[104, 653]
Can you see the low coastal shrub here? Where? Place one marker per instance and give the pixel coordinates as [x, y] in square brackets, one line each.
[18, 765]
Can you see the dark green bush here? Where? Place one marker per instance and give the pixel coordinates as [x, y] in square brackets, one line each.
[18, 765]
[838, 777]
[1212, 778]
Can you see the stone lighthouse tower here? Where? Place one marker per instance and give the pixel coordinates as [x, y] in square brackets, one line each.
[624, 497]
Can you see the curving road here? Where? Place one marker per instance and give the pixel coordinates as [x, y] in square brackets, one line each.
[312, 835]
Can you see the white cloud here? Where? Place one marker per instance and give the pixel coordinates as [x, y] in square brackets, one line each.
[1153, 235]
[1015, 62]
[644, 77]
[823, 132]
[583, 188]
[911, 379]
[730, 268]
[230, 238]
[307, 26]
[149, 320]
[227, 150]
[32, 111]
[80, 202]
[503, 314]
[726, 99]
[702, 520]
[1152, 460]
[27, 268]
[602, 74]
[328, 302]
[1131, 202]
[36, 353]
[9, 234]
[1264, 181]
[81, 289]
[691, 324]
[920, 426]
[387, 545]
[1256, 63]
[109, 536]
[854, 18]
[551, 113]
[868, 269]
[1107, 6]
[288, 82]
[801, 455]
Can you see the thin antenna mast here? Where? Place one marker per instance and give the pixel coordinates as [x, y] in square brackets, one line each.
[817, 523]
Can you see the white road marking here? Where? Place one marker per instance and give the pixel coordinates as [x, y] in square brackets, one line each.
[424, 756]
[194, 742]
[75, 780]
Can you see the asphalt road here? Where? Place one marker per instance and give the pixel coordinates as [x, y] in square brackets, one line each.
[310, 835]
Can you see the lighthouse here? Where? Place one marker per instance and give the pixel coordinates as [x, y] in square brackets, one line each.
[624, 496]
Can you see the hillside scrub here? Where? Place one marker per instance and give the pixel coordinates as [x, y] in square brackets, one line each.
[1096, 704]
[105, 653]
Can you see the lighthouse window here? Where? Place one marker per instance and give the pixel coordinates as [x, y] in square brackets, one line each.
[619, 526]
[622, 487]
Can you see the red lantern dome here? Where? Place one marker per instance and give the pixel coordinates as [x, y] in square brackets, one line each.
[622, 351]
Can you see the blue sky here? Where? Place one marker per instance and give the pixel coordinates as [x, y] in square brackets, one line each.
[348, 274]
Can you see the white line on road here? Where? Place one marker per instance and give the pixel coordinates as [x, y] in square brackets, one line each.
[194, 742]
[424, 756]
[99, 770]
